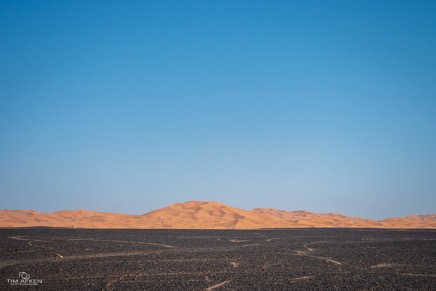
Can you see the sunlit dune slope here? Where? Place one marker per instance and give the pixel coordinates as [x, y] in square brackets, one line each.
[211, 215]
[205, 215]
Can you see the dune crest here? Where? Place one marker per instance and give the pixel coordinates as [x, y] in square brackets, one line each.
[205, 215]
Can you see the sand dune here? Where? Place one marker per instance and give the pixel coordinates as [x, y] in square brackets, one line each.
[205, 215]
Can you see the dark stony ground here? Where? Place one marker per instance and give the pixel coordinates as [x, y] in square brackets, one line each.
[291, 259]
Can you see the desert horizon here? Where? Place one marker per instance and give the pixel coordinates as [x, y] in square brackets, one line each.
[125, 107]
[206, 215]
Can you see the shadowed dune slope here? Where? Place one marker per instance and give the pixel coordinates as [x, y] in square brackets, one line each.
[205, 215]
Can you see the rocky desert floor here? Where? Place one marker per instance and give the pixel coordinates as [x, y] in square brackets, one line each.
[280, 259]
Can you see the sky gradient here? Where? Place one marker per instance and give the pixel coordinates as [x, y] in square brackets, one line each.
[128, 106]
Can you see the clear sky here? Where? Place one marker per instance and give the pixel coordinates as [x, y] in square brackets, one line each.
[128, 106]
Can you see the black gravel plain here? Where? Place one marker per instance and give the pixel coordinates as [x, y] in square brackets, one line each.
[287, 259]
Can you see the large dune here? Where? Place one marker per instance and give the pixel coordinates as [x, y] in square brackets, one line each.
[205, 215]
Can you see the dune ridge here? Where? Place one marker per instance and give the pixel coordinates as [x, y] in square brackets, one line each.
[206, 215]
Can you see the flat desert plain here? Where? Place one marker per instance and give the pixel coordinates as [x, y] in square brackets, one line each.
[287, 259]
[205, 215]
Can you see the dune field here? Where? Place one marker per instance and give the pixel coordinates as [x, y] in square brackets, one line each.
[205, 215]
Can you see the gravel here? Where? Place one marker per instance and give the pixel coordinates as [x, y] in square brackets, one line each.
[283, 259]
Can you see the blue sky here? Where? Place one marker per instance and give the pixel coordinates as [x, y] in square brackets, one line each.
[129, 106]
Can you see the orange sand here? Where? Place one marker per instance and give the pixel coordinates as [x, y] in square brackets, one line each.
[205, 215]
